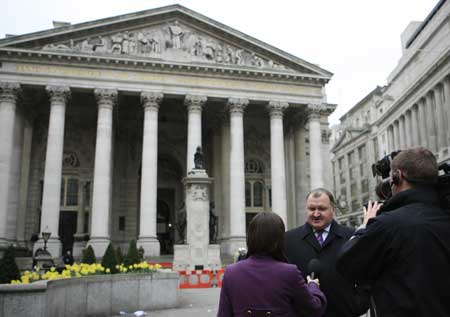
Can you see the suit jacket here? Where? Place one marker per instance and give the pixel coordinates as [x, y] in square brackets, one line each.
[261, 283]
[344, 300]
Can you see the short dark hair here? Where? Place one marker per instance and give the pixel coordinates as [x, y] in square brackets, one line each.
[419, 166]
[265, 236]
[317, 192]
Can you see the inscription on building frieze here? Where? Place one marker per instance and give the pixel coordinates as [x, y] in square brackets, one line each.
[171, 41]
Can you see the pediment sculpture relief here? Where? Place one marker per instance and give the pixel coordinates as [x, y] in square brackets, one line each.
[172, 41]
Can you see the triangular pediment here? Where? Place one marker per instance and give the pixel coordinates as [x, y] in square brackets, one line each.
[171, 34]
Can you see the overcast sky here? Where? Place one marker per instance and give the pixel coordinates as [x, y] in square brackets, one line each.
[357, 40]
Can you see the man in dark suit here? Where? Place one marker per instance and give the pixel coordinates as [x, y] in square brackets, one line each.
[322, 238]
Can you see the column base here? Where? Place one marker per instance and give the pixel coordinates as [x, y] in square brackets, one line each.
[189, 258]
[54, 247]
[151, 246]
[230, 246]
[78, 247]
[99, 245]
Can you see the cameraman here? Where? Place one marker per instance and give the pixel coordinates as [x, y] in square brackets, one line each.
[404, 252]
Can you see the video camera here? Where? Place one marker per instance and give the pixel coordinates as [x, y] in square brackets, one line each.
[383, 189]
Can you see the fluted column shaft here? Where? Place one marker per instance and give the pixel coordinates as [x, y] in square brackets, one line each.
[277, 162]
[225, 131]
[53, 166]
[101, 200]
[446, 102]
[390, 132]
[415, 125]
[401, 127]
[315, 147]
[8, 100]
[194, 105]
[396, 135]
[237, 168]
[440, 122]
[149, 179]
[431, 122]
[423, 123]
[408, 133]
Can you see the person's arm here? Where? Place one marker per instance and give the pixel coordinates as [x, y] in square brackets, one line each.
[308, 298]
[225, 307]
[362, 258]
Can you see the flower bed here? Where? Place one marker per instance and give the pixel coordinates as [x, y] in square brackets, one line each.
[82, 269]
[95, 292]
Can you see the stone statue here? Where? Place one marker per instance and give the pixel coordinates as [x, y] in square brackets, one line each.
[212, 224]
[181, 224]
[199, 162]
[176, 33]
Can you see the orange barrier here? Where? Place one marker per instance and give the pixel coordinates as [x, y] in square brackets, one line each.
[200, 279]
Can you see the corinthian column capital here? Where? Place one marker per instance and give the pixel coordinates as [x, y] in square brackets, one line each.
[58, 94]
[151, 100]
[315, 111]
[194, 102]
[106, 97]
[9, 91]
[237, 105]
[277, 108]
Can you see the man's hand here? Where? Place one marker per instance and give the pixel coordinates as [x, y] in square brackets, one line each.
[309, 280]
[371, 211]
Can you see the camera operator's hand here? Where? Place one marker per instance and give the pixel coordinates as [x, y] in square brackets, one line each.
[371, 211]
[310, 280]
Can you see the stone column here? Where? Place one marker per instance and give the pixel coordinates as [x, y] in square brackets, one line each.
[396, 135]
[415, 126]
[277, 159]
[391, 145]
[79, 235]
[237, 175]
[441, 122]
[446, 102]
[149, 186]
[301, 165]
[194, 104]
[8, 99]
[224, 221]
[101, 200]
[315, 145]
[423, 123]
[53, 168]
[401, 129]
[408, 133]
[431, 123]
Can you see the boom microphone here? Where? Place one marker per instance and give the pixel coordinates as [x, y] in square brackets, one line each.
[314, 268]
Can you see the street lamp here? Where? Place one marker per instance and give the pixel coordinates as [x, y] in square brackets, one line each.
[45, 236]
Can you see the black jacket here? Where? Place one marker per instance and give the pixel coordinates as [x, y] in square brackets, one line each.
[404, 253]
[302, 246]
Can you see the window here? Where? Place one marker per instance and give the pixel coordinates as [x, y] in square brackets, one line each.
[362, 152]
[353, 190]
[69, 191]
[254, 185]
[341, 163]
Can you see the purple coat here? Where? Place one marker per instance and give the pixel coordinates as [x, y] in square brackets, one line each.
[260, 282]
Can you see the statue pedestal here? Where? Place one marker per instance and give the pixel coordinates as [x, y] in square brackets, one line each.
[197, 253]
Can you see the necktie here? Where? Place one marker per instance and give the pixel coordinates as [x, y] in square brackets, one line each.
[319, 237]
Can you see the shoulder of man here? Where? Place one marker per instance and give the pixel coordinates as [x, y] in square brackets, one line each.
[298, 231]
[341, 230]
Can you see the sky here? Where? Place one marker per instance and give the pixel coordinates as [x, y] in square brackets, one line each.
[357, 40]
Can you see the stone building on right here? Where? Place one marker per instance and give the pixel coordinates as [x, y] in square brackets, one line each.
[411, 110]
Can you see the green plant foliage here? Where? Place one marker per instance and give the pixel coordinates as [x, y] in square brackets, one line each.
[88, 256]
[8, 267]
[109, 259]
[119, 255]
[132, 255]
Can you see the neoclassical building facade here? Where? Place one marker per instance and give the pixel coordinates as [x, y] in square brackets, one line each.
[99, 123]
[411, 110]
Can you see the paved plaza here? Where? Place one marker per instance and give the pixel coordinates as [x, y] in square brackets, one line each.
[193, 302]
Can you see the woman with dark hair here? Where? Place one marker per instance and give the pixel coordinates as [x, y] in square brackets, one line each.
[264, 284]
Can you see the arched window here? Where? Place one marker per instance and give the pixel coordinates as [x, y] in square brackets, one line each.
[255, 189]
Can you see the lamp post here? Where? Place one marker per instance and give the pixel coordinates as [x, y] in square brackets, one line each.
[45, 236]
